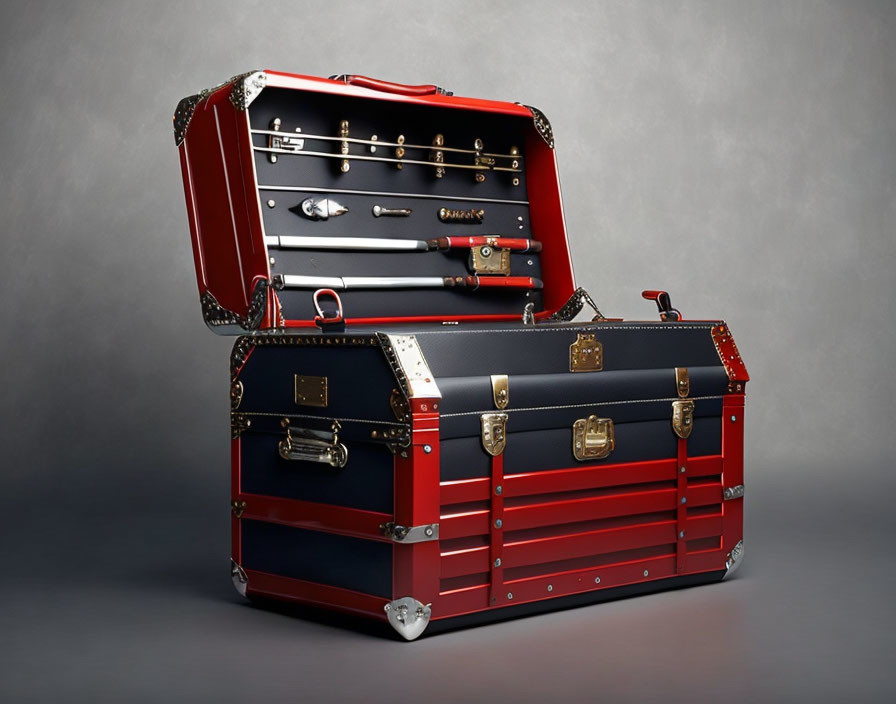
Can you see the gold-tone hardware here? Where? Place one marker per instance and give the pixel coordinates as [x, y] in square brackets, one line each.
[314, 446]
[470, 217]
[586, 354]
[311, 391]
[683, 417]
[236, 394]
[399, 152]
[399, 405]
[500, 391]
[343, 146]
[494, 432]
[437, 155]
[682, 381]
[393, 436]
[237, 507]
[238, 423]
[593, 438]
[489, 259]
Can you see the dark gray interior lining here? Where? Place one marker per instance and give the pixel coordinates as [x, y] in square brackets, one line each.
[321, 114]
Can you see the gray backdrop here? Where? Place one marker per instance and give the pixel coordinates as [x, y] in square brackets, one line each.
[740, 155]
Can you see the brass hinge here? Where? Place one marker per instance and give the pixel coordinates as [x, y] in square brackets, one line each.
[586, 354]
[593, 438]
[494, 432]
[238, 423]
[500, 391]
[237, 507]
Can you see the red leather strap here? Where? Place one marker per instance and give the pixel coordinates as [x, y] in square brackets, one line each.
[496, 531]
[388, 86]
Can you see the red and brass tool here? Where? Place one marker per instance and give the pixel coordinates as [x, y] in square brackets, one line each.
[343, 283]
[385, 244]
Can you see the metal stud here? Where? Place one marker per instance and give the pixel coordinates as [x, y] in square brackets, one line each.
[499, 523]
[510, 595]
[684, 499]
[734, 419]
[427, 449]
[272, 203]
[499, 490]
[682, 469]
[550, 587]
[646, 573]
[681, 534]
[498, 562]
[597, 580]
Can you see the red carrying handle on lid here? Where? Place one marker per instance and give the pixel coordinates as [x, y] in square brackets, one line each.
[388, 86]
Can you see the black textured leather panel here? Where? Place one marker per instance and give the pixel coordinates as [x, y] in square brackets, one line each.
[539, 450]
[336, 560]
[365, 482]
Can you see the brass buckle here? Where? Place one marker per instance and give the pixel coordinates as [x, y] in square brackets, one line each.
[593, 438]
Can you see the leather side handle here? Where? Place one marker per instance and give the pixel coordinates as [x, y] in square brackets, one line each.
[389, 86]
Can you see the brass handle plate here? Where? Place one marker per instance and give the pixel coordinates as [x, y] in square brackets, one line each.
[307, 445]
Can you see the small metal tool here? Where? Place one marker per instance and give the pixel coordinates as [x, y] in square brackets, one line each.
[319, 208]
[379, 211]
[472, 216]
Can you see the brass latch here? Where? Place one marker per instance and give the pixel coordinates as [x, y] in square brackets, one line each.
[311, 391]
[593, 438]
[683, 417]
[682, 381]
[500, 391]
[494, 432]
[586, 354]
[308, 445]
[488, 259]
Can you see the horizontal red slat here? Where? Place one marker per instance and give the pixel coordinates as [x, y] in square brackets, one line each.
[578, 478]
[540, 550]
[275, 586]
[572, 511]
[314, 516]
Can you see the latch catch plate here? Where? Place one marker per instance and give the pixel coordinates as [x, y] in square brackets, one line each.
[593, 438]
[494, 432]
[586, 354]
[683, 417]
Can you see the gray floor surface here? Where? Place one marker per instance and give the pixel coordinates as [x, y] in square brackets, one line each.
[136, 605]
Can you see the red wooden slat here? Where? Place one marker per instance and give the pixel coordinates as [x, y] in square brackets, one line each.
[278, 587]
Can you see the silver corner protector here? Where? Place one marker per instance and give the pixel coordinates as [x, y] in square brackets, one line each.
[735, 558]
[239, 578]
[410, 534]
[733, 492]
[409, 365]
[408, 616]
[542, 124]
[226, 322]
[246, 88]
[183, 113]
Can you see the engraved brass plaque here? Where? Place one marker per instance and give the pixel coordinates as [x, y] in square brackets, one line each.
[311, 391]
[586, 354]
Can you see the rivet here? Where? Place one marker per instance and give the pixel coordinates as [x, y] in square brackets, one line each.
[597, 580]
[272, 203]
[529, 262]
[520, 218]
[499, 490]
[550, 587]
[682, 470]
[681, 534]
[428, 531]
[404, 454]
[510, 595]
[499, 523]
[646, 573]
[734, 419]
[273, 261]
[427, 449]
[684, 499]
[498, 562]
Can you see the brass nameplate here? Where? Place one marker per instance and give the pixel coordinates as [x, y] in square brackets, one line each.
[311, 391]
[586, 354]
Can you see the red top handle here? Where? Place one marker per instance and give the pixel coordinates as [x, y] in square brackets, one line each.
[388, 86]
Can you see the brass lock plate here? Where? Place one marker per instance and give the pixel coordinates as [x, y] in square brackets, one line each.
[494, 432]
[586, 354]
[593, 438]
[488, 259]
[683, 417]
[311, 391]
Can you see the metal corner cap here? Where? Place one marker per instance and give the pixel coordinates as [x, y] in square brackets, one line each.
[409, 365]
[246, 88]
[735, 558]
[408, 616]
[239, 578]
[542, 124]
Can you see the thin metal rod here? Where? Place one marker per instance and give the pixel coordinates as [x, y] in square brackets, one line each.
[340, 283]
[377, 143]
[377, 244]
[389, 194]
[388, 160]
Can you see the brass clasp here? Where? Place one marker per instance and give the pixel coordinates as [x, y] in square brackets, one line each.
[593, 438]
[586, 354]
[494, 432]
[683, 417]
